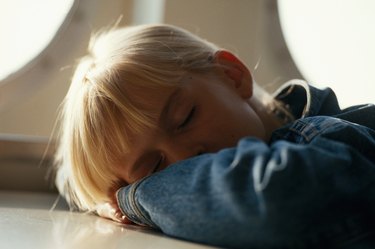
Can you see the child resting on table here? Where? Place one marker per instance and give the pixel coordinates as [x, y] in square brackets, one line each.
[173, 132]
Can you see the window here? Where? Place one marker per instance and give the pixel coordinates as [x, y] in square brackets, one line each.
[332, 43]
[40, 42]
[25, 31]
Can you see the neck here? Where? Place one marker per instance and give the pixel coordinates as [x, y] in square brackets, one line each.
[270, 121]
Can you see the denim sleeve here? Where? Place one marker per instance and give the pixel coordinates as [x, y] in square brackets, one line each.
[317, 189]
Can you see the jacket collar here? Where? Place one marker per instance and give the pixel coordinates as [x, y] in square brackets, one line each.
[304, 100]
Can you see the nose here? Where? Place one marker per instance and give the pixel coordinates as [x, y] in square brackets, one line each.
[175, 150]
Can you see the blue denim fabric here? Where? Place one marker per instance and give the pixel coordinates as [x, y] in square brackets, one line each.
[312, 186]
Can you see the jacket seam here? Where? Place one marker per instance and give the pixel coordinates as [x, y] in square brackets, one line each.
[135, 206]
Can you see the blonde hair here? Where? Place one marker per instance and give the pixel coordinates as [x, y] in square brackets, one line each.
[97, 111]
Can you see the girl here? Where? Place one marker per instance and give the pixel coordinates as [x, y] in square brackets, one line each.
[173, 132]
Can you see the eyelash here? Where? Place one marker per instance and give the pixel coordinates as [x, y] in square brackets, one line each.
[188, 118]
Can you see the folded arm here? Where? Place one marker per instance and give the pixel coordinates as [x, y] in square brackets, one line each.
[291, 193]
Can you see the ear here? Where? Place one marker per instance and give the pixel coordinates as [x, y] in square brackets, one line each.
[236, 71]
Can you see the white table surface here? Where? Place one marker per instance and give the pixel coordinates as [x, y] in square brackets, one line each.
[26, 221]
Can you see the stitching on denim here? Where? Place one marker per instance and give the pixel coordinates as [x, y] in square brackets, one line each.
[134, 204]
[315, 126]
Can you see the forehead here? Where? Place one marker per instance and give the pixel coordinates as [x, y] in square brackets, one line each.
[141, 109]
[149, 100]
[149, 96]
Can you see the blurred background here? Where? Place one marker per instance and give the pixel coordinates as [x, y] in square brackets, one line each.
[326, 42]
[45, 38]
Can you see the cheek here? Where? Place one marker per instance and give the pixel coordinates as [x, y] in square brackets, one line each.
[216, 132]
[229, 126]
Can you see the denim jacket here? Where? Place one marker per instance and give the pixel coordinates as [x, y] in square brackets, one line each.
[311, 186]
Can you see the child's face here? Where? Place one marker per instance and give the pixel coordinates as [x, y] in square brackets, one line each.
[205, 113]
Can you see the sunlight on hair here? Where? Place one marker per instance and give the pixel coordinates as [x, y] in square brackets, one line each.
[99, 112]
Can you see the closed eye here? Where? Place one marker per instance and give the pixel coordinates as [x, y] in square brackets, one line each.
[188, 118]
